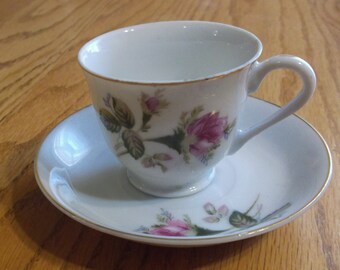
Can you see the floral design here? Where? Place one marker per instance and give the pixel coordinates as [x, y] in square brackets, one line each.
[156, 160]
[204, 135]
[152, 105]
[196, 135]
[169, 226]
[172, 228]
[207, 130]
[215, 215]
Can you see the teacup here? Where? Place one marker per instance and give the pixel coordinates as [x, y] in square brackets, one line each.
[168, 96]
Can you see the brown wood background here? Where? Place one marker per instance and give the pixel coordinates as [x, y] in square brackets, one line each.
[41, 84]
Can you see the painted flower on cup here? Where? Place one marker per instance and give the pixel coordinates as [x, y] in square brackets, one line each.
[156, 160]
[203, 134]
[206, 133]
[152, 105]
[197, 134]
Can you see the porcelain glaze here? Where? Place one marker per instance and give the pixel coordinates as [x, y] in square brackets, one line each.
[270, 181]
[169, 97]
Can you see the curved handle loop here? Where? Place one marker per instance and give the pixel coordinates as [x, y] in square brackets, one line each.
[256, 74]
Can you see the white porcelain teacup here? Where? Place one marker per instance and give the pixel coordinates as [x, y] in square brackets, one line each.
[169, 95]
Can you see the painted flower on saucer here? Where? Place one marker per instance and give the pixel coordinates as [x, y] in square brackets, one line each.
[168, 225]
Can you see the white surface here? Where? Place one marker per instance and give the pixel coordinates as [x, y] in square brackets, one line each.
[287, 163]
[178, 57]
[170, 51]
[257, 73]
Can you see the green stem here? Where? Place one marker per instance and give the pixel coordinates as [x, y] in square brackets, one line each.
[258, 211]
[276, 212]
[146, 118]
[203, 231]
[251, 207]
[172, 141]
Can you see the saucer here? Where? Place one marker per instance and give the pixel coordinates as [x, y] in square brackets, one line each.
[272, 180]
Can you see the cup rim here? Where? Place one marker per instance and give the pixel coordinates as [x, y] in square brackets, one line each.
[174, 82]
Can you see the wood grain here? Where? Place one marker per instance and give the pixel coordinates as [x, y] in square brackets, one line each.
[41, 84]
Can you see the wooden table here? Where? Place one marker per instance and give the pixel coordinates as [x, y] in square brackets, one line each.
[41, 83]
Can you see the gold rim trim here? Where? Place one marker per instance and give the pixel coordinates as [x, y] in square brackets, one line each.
[186, 241]
[174, 83]
[219, 75]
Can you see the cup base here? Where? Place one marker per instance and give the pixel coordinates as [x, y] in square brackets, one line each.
[174, 191]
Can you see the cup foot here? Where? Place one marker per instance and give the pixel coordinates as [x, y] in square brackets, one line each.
[171, 191]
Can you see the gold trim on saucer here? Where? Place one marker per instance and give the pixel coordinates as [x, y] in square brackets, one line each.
[186, 241]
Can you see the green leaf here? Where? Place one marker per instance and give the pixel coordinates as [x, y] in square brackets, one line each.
[123, 113]
[187, 220]
[109, 121]
[210, 208]
[228, 129]
[161, 218]
[203, 231]
[240, 220]
[195, 112]
[187, 118]
[173, 141]
[133, 143]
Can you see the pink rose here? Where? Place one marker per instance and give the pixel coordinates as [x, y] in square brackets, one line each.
[172, 228]
[152, 103]
[208, 130]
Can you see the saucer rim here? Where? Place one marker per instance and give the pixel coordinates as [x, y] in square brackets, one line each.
[186, 241]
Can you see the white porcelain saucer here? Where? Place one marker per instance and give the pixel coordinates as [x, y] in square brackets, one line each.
[272, 180]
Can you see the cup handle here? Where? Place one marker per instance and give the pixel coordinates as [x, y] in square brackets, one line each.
[257, 72]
